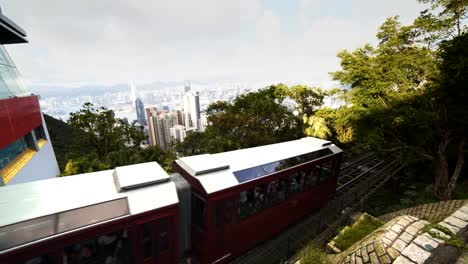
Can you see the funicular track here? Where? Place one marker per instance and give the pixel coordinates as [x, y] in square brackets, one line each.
[360, 177]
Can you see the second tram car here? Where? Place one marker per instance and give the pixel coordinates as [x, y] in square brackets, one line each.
[241, 198]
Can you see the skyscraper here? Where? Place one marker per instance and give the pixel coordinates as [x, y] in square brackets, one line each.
[161, 125]
[192, 111]
[178, 133]
[26, 152]
[187, 86]
[179, 117]
[140, 111]
[150, 112]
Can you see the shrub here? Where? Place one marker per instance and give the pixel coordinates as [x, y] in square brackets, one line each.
[364, 226]
[314, 255]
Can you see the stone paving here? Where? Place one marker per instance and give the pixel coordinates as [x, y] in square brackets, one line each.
[385, 244]
[401, 242]
[421, 249]
[433, 212]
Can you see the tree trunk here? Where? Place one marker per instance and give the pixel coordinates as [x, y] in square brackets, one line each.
[440, 168]
[457, 171]
[444, 185]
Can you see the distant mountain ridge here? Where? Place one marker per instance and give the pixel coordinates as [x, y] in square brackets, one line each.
[93, 90]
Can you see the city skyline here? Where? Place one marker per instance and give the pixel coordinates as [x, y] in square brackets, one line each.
[110, 42]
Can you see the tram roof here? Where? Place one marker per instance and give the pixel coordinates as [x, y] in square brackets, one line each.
[22, 202]
[220, 171]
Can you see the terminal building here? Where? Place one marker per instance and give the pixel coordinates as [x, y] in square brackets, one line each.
[26, 152]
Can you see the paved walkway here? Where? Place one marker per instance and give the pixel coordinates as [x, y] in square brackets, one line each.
[400, 242]
[385, 244]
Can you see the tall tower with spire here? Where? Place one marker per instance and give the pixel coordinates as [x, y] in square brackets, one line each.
[187, 86]
[139, 106]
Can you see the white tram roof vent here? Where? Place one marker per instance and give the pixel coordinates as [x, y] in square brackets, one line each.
[317, 141]
[138, 175]
[202, 164]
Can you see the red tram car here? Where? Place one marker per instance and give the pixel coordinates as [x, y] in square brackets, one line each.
[215, 208]
[241, 198]
[102, 217]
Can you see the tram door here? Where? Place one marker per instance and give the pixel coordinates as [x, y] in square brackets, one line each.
[224, 228]
[155, 243]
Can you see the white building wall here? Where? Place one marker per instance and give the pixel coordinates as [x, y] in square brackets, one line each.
[43, 165]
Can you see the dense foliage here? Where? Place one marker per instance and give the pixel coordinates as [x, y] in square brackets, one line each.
[104, 132]
[64, 140]
[270, 115]
[408, 93]
[95, 140]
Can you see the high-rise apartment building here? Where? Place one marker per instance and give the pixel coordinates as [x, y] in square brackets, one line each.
[160, 126]
[178, 133]
[26, 153]
[192, 111]
[140, 111]
[179, 118]
[150, 112]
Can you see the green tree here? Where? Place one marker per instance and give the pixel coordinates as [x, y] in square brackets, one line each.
[307, 101]
[317, 127]
[115, 141]
[453, 12]
[103, 131]
[449, 96]
[195, 143]
[252, 119]
[400, 98]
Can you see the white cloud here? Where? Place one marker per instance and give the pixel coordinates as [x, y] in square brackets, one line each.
[111, 41]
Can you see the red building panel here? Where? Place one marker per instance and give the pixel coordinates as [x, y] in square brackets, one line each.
[18, 116]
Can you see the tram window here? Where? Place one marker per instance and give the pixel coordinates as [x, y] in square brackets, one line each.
[252, 201]
[272, 193]
[147, 241]
[302, 181]
[326, 170]
[282, 190]
[312, 177]
[198, 211]
[109, 248]
[276, 192]
[164, 234]
[308, 179]
[259, 197]
[294, 182]
[246, 205]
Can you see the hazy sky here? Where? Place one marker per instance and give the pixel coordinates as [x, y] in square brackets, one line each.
[114, 41]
